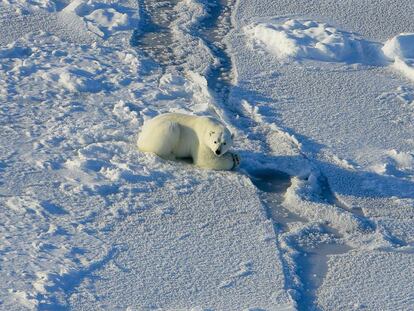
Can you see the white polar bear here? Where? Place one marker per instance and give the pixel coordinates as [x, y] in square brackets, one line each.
[176, 135]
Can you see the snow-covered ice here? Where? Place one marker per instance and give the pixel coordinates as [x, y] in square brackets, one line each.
[319, 216]
[338, 93]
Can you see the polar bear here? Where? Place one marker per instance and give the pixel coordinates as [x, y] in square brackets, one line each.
[176, 135]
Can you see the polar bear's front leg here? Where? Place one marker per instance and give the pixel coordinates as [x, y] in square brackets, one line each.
[207, 159]
[227, 161]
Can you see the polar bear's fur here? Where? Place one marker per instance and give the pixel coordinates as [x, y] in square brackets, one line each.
[175, 135]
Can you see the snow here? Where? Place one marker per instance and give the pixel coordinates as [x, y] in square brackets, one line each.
[12, 51]
[308, 39]
[74, 187]
[367, 294]
[172, 262]
[347, 112]
[400, 46]
[400, 49]
[23, 6]
[104, 18]
[318, 217]
[198, 57]
[294, 39]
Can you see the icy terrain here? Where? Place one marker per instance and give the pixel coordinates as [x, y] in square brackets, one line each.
[319, 216]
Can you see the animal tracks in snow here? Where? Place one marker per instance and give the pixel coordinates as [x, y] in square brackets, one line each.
[245, 269]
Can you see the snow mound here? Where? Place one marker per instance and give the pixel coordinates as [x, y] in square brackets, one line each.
[104, 19]
[400, 50]
[110, 18]
[395, 163]
[403, 160]
[301, 197]
[401, 46]
[306, 39]
[184, 94]
[74, 80]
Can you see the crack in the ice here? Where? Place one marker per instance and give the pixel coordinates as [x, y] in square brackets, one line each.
[215, 27]
[312, 247]
[304, 262]
[153, 36]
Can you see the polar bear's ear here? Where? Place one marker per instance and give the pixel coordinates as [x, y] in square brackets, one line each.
[211, 133]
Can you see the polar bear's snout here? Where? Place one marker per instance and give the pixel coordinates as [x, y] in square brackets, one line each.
[218, 151]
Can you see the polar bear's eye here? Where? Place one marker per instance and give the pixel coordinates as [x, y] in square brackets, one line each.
[224, 143]
[215, 142]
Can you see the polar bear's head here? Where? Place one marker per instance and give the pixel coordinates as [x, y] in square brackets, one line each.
[219, 140]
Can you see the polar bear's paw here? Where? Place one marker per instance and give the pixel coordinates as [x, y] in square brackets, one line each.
[236, 160]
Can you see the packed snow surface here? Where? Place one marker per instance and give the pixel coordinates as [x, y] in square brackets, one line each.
[320, 97]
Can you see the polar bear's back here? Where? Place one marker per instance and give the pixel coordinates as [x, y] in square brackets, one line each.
[171, 135]
[159, 136]
[183, 119]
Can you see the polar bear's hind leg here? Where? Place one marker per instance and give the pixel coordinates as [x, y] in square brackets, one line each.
[160, 138]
